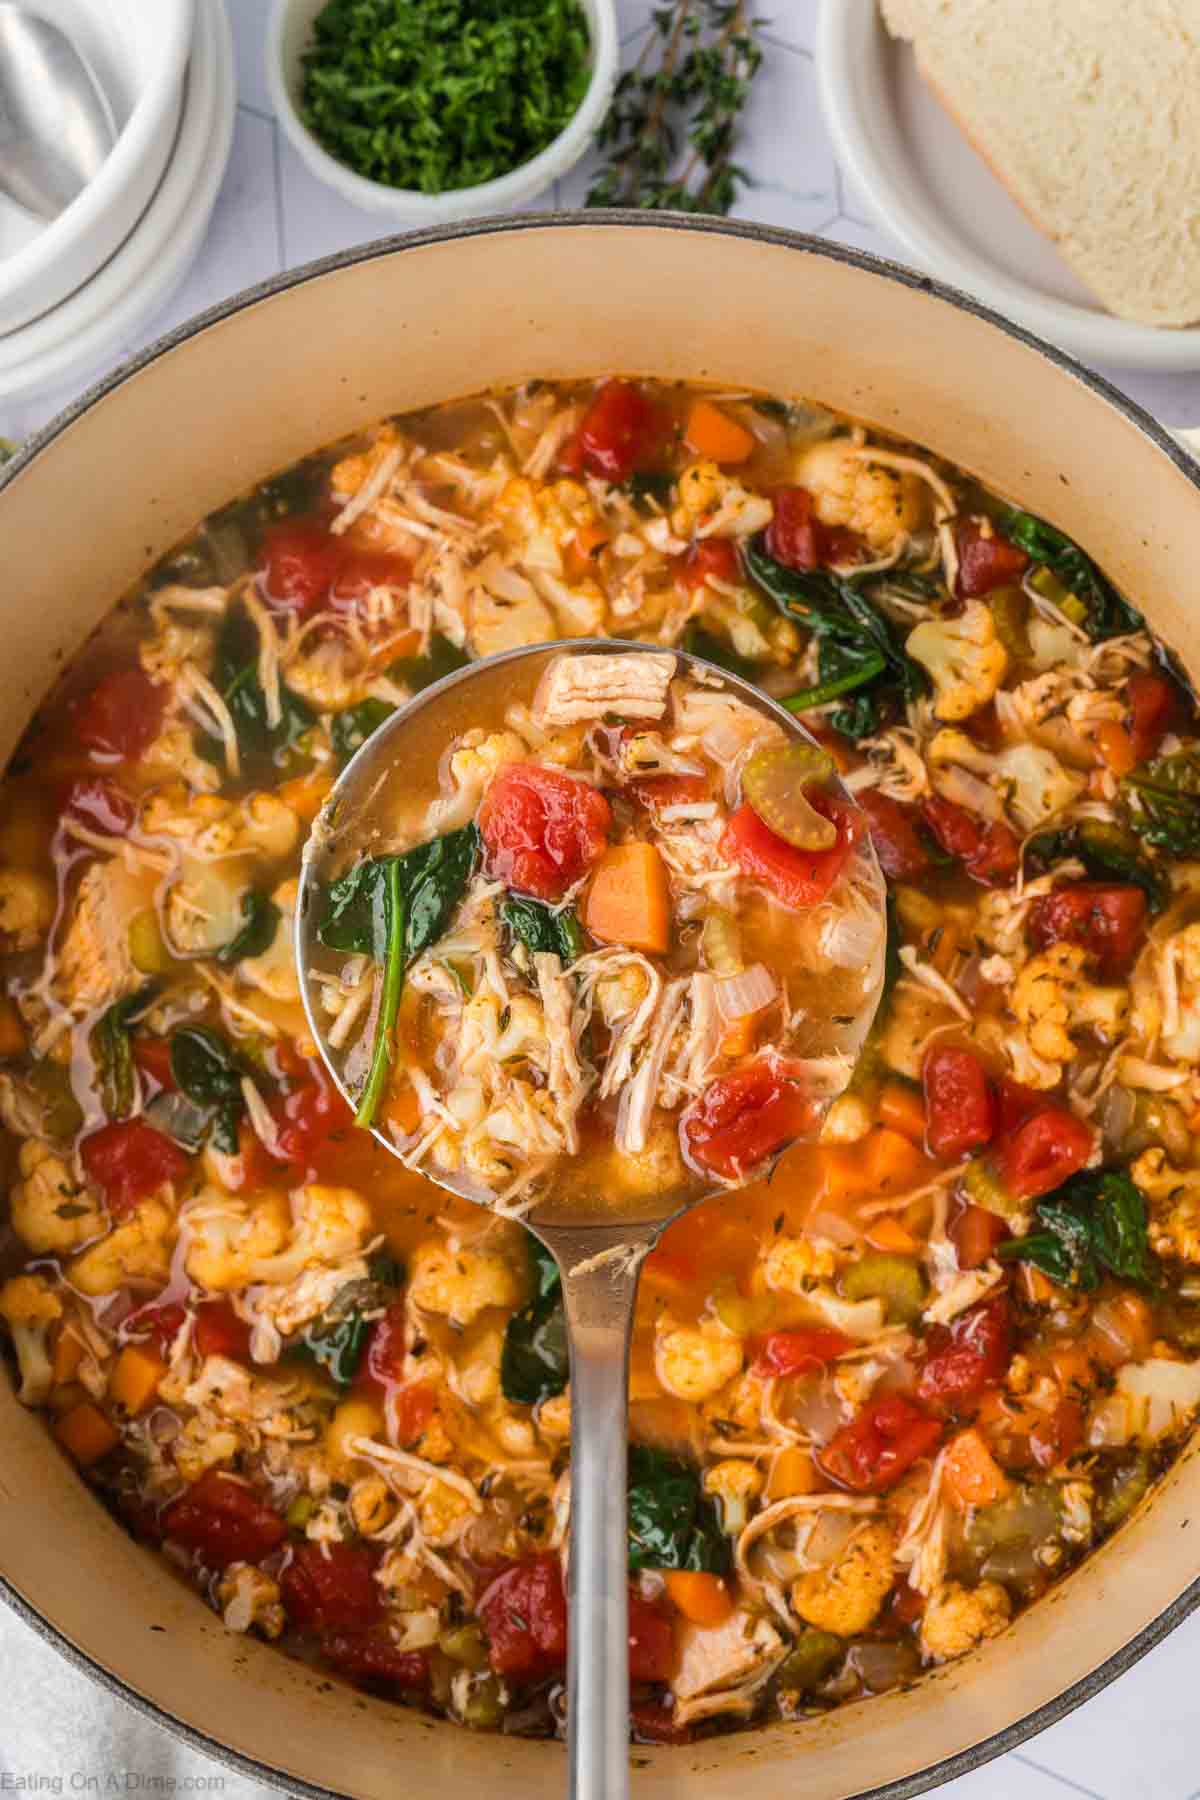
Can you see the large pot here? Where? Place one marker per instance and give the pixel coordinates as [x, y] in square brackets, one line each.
[399, 325]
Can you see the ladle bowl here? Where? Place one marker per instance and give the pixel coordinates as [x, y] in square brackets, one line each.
[599, 1252]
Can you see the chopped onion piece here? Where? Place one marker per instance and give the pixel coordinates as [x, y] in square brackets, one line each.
[749, 992]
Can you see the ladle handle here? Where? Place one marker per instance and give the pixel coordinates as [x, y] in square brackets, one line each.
[599, 1303]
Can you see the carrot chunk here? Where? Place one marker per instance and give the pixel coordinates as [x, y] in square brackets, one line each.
[712, 433]
[629, 901]
[971, 1473]
[86, 1433]
[702, 1598]
[902, 1109]
[135, 1378]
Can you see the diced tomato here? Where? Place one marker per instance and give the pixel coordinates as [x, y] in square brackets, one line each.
[715, 557]
[883, 1439]
[967, 1356]
[373, 1657]
[987, 849]
[362, 570]
[985, 562]
[1043, 1152]
[219, 1332]
[622, 430]
[655, 1724]
[158, 1326]
[382, 1365]
[1057, 1435]
[797, 538]
[651, 1640]
[746, 1116]
[960, 1105]
[1108, 921]
[100, 804]
[152, 1058]
[331, 1587]
[895, 835]
[222, 1521]
[656, 791]
[299, 562]
[310, 1119]
[905, 1605]
[797, 1352]
[1154, 708]
[542, 829]
[976, 1233]
[130, 1160]
[799, 878]
[523, 1610]
[1014, 1104]
[121, 716]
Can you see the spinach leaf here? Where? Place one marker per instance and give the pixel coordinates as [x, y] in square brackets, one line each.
[112, 1052]
[261, 919]
[337, 1339]
[650, 484]
[394, 920]
[1106, 852]
[433, 878]
[208, 1074]
[1105, 613]
[534, 1364]
[417, 672]
[673, 1524]
[351, 729]
[1163, 797]
[718, 651]
[235, 675]
[538, 928]
[1094, 1223]
[860, 653]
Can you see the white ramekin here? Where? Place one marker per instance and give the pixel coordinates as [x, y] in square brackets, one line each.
[139, 50]
[287, 35]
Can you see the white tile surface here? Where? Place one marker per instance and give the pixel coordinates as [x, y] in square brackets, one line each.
[1140, 1740]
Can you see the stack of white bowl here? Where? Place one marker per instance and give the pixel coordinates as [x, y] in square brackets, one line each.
[75, 290]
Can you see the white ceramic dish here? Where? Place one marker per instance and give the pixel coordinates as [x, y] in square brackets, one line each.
[287, 34]
[139, 51]
[139, 280]
[937, 197]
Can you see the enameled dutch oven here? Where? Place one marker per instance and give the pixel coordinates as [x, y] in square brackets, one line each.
[288, 367]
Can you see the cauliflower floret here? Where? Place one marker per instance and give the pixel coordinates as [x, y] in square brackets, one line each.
[499, 623]
[461, 1283]
[176, 644]
[714, 504]
[173, 752]
[479, 1370]
[443, 1513]
[212, 826]
[29, 1306]
[331, 675]
[553, 1417]
[1174, 1197]
[249, 1601]
[792, 1265]
[848, 1120]
[958, 1618]
[655, 1168]
[879, 503]
[1178, 970]
[27, 903]
[203, 1445]
[1029, 779]
[204, 906]
[136, 1252]
[273, 971]
[50, 1210]
[620, 994]
[479, 758]
[1052, 997]
[847, 1596]
[734, 1482]
[329, 1224]
[482, 1044]
[94, 964]
[965, 658]
[229, 1234]
[694, 1362]
[540, 517]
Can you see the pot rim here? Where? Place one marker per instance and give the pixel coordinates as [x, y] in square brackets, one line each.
[962, 1762]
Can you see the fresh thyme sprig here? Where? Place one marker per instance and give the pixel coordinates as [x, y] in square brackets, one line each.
[680, 104]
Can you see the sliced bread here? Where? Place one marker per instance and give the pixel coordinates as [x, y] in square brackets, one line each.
[1089, 112]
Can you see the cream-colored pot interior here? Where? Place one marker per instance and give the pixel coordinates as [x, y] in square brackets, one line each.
[422, 322]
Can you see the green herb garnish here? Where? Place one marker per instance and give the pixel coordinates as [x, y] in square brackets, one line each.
[685, 93]
[534, 1364]
[442, 94]
[1094, 1223]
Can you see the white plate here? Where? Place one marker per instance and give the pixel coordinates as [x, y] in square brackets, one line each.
[140, 279]
[930, 190]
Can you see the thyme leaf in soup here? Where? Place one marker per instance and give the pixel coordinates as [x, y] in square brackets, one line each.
[534, 1363]
[1093, 1224]
[673, 1524]
[541, 929]
[1100, 609]
[260, 923]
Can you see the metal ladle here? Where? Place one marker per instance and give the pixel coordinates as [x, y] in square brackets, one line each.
[56, 125]
[598, 1253]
